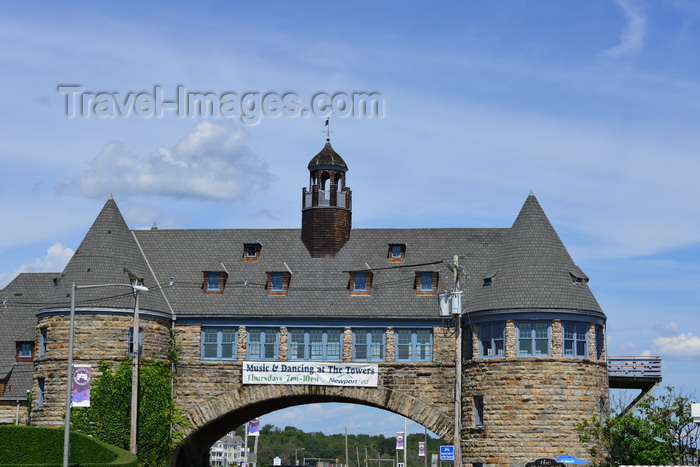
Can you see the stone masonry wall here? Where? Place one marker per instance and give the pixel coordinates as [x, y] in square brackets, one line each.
[529, 407]
[96, 338]
[409, 387]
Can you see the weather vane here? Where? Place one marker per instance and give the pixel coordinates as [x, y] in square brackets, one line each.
[328, 130]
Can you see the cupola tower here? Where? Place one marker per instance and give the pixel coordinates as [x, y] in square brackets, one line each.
[326, 213]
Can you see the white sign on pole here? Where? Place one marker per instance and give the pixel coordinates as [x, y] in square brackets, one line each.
[314, 373]
[695, 412]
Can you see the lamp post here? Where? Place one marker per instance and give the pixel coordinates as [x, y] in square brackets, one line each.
[69, 381]
[296, 458]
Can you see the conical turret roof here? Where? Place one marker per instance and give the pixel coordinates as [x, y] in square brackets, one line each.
[533, 270]
[328, 158]
[109, 254]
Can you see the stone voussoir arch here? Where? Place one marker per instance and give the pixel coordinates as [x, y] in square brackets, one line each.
[238, 406]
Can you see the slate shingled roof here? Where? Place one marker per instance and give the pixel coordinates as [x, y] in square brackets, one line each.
[531, 266]
[532, 269]
[19, 302]
[319, 287]
[106, 255]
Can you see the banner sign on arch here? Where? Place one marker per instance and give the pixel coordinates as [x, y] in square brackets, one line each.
[314, 373]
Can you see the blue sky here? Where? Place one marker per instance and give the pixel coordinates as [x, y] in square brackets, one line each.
[594, 105]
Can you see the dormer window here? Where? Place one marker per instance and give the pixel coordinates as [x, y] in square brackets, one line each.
[251, 251]
[24, 351]
[214, 282]
[488, 280]
[426, 282]
[360, 282]
[577, 279]
[278, 282]
[397, 252]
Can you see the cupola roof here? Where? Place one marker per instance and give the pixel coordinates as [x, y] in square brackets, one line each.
[328, 158]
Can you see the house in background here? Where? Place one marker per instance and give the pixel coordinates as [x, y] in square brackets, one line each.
[227, 451]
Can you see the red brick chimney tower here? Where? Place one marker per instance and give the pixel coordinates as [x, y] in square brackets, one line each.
[326, 213]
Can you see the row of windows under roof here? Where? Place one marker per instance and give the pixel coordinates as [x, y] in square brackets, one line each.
[360, 282]
[316, 344]
[534, 338]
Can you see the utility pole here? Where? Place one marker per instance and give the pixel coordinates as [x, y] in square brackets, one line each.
[405, 442]
[457, 313]
[425, 452]
[255, 463]
[347, 458]
[245, 446]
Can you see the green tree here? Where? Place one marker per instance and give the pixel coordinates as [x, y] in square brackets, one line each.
[626, 439]
[660, 430]
[670, 413]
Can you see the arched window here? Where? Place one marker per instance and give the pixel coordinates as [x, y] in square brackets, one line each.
[325, 179]
[338, 182]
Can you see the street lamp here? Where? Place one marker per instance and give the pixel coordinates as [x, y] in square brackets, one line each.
[137, 288]
[296, 459]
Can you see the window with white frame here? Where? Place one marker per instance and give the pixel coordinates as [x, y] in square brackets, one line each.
[575, 339]
[315, 344]
[491, 338]
[533, 338]
[368, 345]
[360, 282]
[251, 251]
[262, 343]
[426, 282]
[24, 350]
[278, 282]
[219, 343]
[131, 341]
[414, 345]
[397, 252]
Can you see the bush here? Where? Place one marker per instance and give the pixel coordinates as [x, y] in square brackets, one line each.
[20, 445]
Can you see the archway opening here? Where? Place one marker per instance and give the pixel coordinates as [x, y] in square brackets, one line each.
[302, 431]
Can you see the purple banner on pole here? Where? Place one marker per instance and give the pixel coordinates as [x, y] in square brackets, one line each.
[254, 427]
[81, 386]
[421, 448]
[399, 440]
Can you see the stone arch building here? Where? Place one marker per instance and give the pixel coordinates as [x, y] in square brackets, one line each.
[250, 305]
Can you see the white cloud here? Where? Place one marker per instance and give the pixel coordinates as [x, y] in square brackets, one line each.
[684, 345]
[57, 256]
[632, 39]
[211, 162]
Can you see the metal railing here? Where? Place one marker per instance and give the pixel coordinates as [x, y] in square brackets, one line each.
[634, 366]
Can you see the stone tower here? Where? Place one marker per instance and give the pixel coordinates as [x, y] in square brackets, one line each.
[536, 363]
[326, 214]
